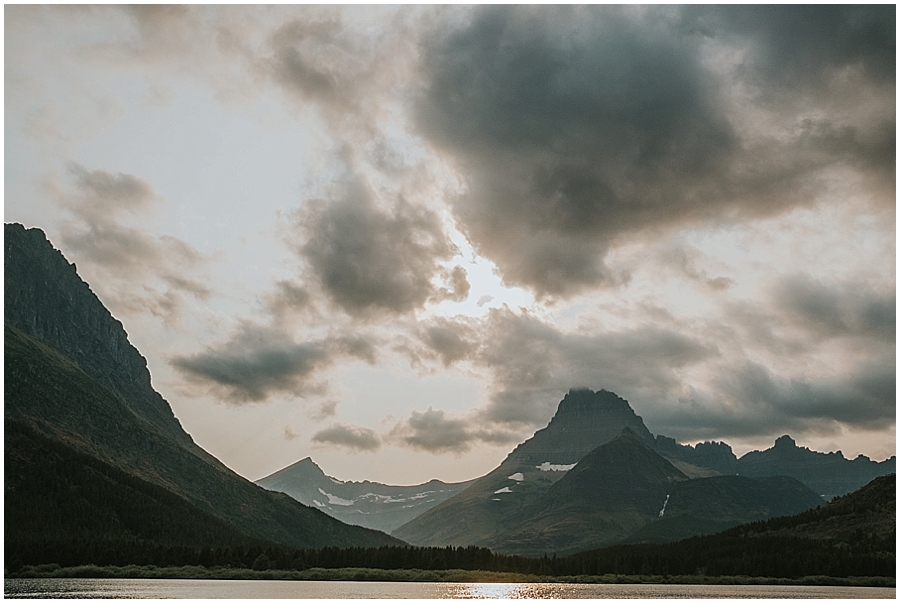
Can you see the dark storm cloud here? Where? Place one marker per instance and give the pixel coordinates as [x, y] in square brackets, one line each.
[758, 402]
[532, 363]
[149, 273]
[577, 126]
[259, 361]
[359, 439]
[837, 310]
[370, 259]
[805, 44]
[768, 384]
[432, 431]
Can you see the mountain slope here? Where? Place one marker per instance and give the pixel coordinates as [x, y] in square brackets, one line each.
[369, 504]
[613, 491]
[494, 503]
[70, 508]
[854, 535]
[625, 490]
[72, 377]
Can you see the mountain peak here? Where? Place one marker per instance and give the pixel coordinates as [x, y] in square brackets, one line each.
[582, 400]
[628, 433]
[785, 441]
[584, 420]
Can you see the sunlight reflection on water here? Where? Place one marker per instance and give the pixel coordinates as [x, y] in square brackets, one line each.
[89, 588]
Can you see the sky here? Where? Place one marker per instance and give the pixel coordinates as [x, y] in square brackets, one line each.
[393, 238]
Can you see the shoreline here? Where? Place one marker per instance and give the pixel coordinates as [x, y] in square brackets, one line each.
[419, 575]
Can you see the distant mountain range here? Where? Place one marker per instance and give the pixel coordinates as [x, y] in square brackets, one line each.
[370, 504]
[596, 476]
[95, 460]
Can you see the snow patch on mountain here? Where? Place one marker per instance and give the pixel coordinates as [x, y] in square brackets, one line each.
[665, 502]
[336, 500]
[546, 466]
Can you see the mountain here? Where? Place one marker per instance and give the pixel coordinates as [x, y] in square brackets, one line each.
[492, 504]
[828, 474]
[715, 456]
[595, 476]
[613, 491]
[853, 535]
[78, 392]
[625, 491]
[368, 504]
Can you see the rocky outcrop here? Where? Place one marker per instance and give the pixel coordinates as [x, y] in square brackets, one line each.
[46, 299]
[717, 456]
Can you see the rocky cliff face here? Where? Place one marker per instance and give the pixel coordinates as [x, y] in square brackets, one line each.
[584, 420]
[46, 299]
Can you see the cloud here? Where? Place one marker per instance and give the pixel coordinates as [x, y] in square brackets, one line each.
[432, 431]
[752, 400]
[448, 339]
[288, 298]
[579, 127]
[261, 361]
[683, 260]
[357, 439]
[805, 45]
[837, 310]
[138, 272]
[370, 259]
[534, 363]
[457, 288]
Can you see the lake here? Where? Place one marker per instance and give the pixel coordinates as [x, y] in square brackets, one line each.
[119, 588]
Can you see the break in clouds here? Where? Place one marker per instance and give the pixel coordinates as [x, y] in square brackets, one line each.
[574, 148]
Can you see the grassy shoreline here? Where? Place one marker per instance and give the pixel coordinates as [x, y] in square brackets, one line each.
[418, 575]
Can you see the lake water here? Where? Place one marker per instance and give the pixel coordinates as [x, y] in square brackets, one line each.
[107, 588]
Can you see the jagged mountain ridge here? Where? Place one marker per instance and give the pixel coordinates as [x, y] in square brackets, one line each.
[493, 509]
[624, 488]
[56, 386]
[369, 504]
[829, 474]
